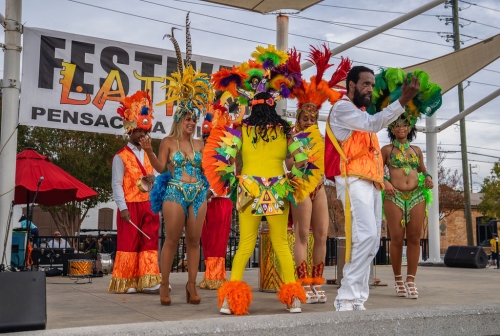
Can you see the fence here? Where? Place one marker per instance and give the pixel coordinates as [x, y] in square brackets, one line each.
[94, 245]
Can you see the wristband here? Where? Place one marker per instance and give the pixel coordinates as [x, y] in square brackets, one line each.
[297, 172]
[427, 174]
[237, 142]
[387, 178]
[294, 146]
[300, 157]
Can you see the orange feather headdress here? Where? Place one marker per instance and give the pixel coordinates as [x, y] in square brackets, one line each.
[311, 95]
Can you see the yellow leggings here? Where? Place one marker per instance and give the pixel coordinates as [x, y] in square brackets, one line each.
[249, 228]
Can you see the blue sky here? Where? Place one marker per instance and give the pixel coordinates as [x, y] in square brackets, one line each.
[238, 32]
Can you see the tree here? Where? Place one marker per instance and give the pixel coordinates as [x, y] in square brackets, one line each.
[451, 195]
[490, 204]
[86, 156]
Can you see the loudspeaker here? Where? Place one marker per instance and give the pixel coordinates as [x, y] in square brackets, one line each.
[24, 301]
[465, 257]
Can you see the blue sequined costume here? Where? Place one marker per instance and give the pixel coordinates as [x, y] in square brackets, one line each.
[186, 193]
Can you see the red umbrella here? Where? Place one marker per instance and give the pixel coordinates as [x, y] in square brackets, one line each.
[57, 187]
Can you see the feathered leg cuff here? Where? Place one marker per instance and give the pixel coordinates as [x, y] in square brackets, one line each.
[289, 291]
[239, 296]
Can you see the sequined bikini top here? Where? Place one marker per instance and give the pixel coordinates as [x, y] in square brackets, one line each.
[403, 160]
[182, 162]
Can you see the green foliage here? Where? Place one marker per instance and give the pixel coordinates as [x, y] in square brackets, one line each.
[490, 205]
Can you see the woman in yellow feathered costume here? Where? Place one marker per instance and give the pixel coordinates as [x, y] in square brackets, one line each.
[263, 188]
[312, 209]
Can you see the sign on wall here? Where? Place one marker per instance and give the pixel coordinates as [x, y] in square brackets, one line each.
[76, 82]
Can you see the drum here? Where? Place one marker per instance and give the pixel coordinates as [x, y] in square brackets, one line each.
[80, 267]
[104, 263]
[270, 275]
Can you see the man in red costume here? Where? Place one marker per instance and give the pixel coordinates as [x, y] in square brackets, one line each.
[353, 161]
[215, 232]
[136, 262]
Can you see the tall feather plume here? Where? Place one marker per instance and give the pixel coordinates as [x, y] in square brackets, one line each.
[320, 59]
[189, 49]
[294, 60]
[341, 73]
[177, 49]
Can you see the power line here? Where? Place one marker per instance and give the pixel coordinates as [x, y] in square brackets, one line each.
[386, 34]
[337, 23]
[474, 4]
[161, 21]
[475, 121]
[360, 24]
[485, 83]
[369, 10]
[303, 36]
[479, 23]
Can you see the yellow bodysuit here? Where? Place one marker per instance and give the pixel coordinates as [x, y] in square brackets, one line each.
[263, 161]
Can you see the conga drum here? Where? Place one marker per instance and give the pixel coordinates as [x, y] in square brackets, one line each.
[270, 275]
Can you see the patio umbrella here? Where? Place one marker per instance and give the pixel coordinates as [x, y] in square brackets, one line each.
[58, 186]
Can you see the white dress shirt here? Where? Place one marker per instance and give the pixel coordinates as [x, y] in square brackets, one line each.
[55, 244]
[118, 171]
[345, 117]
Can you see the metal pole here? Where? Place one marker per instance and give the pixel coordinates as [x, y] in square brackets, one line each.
[381, 29]
[10, 108]
[470, 172]
[282, 44]
[467, 111]
[432, 168]
[463, 134]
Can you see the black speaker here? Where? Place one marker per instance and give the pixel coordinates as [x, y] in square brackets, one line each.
[465, 257]
[24, 301]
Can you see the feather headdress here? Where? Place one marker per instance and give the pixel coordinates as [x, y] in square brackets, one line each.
[191, 89]
[388, 88]
[136, 112]
[311, 95]
[269, 70]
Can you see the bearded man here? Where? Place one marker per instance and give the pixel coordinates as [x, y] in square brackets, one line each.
[353, 161]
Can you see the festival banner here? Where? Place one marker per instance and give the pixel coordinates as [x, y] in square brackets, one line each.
[76, 82]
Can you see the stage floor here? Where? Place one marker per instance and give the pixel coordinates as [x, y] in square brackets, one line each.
[72, 305]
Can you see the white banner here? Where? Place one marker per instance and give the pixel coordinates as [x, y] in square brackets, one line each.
[75, 82]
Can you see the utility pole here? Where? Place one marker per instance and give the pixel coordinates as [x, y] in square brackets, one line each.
[463, 134]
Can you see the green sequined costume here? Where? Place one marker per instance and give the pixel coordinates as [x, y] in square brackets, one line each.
[406, 200]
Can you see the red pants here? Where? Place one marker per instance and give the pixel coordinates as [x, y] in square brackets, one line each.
[136, 261]
[214, 237]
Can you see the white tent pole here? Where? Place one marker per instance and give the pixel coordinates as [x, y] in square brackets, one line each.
[282, 22]
[432, 168]
[10, 113]
[381, 29]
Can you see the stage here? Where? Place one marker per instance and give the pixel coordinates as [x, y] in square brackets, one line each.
[452, 300]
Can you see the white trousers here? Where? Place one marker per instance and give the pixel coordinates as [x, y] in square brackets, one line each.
[366, 212]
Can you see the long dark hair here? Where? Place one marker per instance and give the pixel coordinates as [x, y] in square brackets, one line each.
[265, 119]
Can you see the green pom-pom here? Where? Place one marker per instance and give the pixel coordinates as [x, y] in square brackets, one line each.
[394, 78]
[423, 78]
[242, 101]
[275, 59]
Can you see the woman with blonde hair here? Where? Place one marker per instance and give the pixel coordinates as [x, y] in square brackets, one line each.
[181, 191]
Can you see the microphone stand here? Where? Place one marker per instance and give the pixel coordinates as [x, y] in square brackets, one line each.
[29, 221]
[7, 232]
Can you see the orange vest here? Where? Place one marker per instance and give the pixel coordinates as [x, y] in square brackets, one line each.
[133, 172]
[364, 159]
